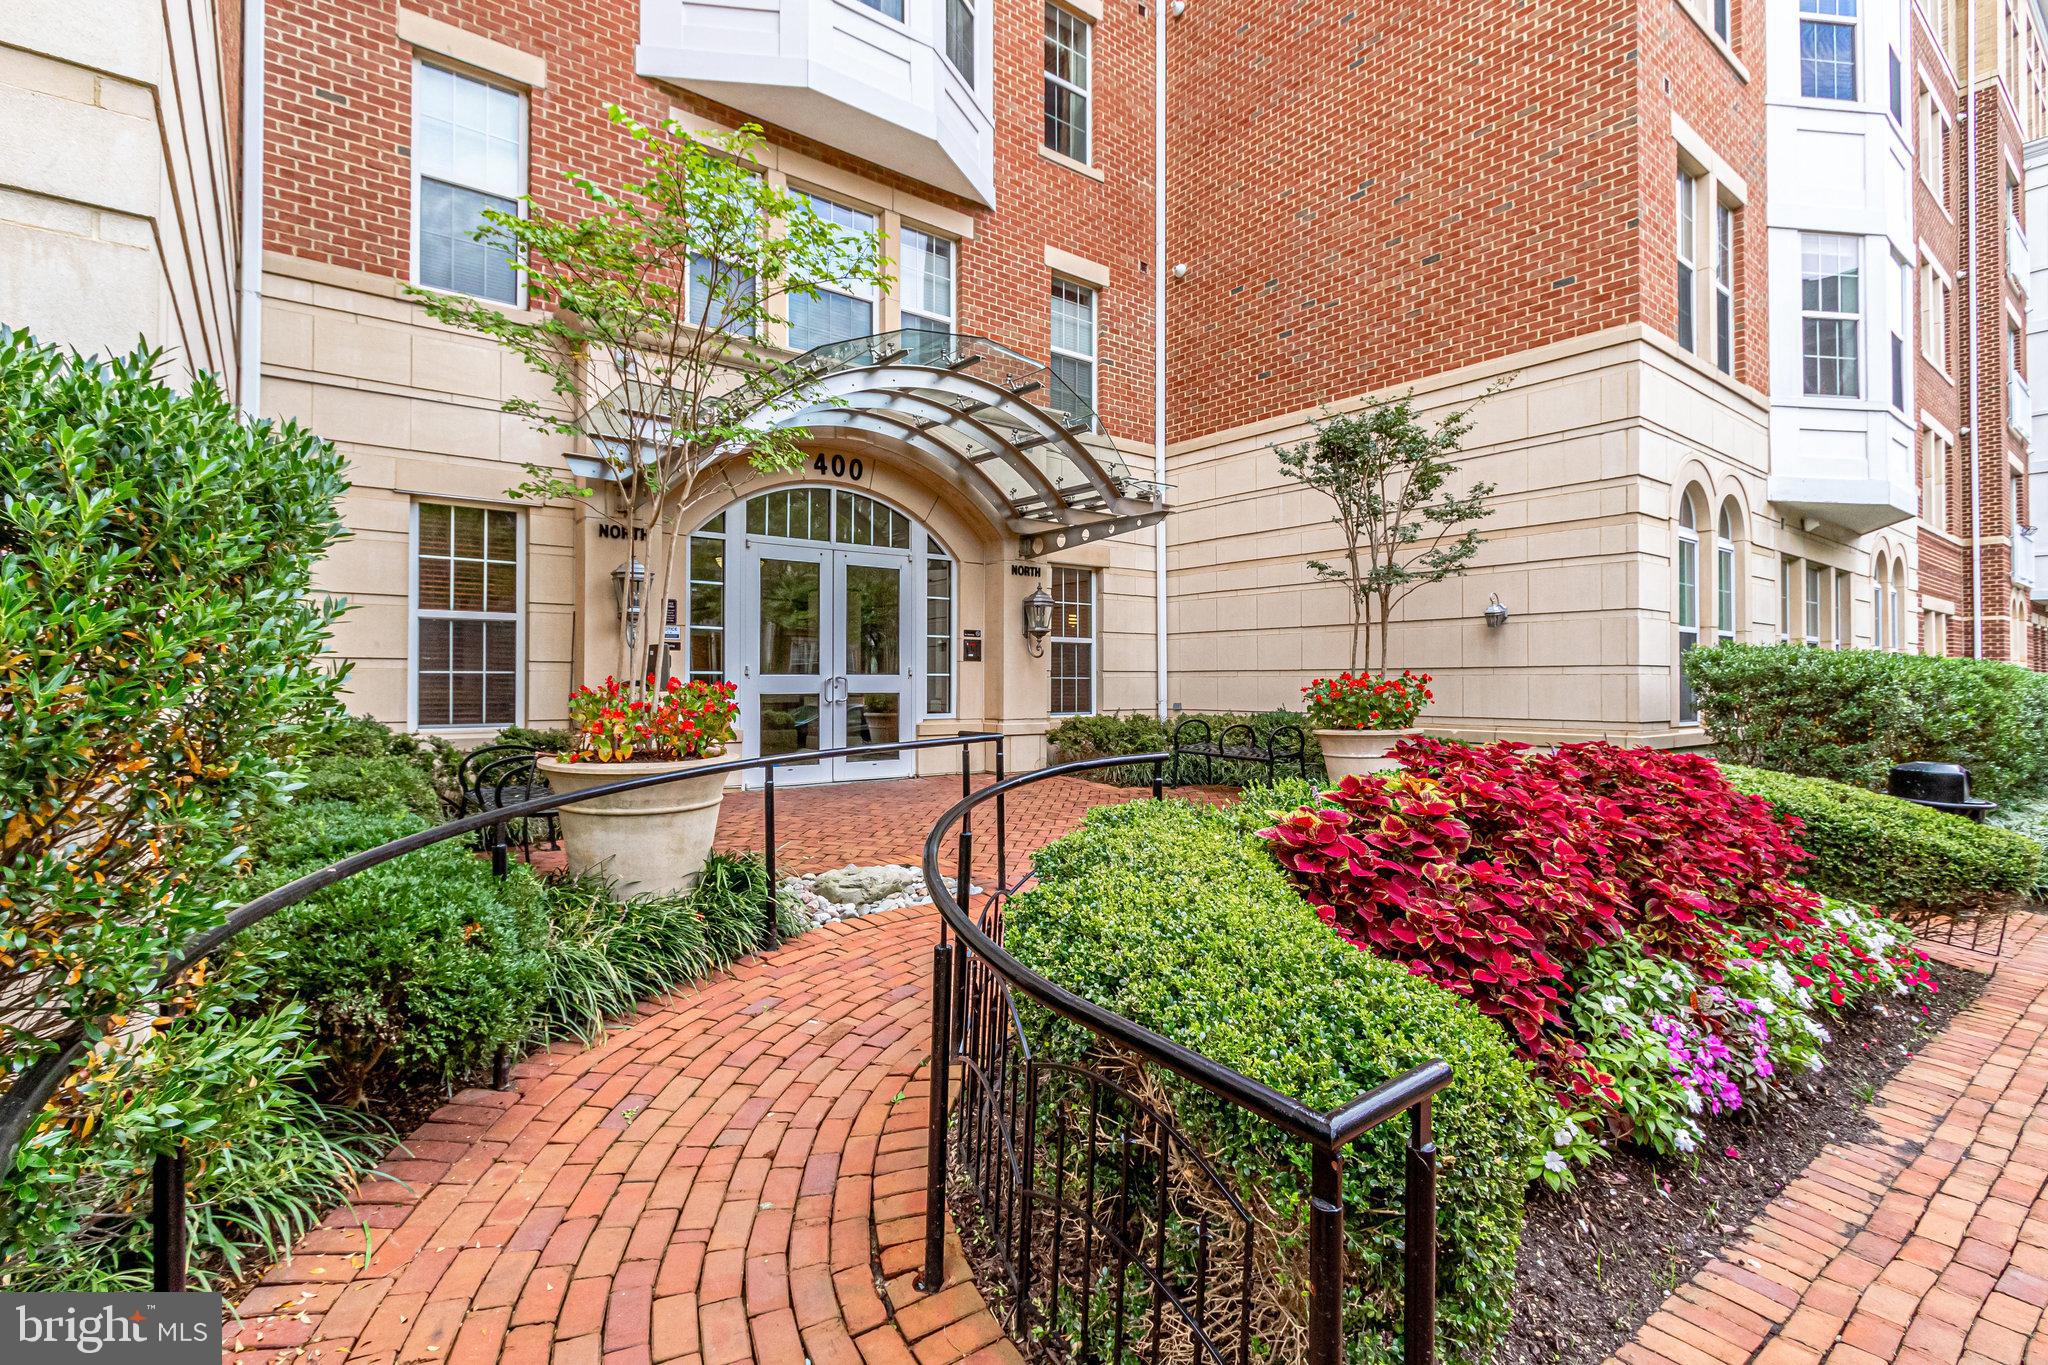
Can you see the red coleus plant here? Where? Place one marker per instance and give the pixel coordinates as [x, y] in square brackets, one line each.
[1492, 869]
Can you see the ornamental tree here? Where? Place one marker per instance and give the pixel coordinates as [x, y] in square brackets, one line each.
[1388, 475]
[157, 637]
[650, 309]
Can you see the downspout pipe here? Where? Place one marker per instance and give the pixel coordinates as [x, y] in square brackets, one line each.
[1160, 270]
[1975, 379]
[249, 363]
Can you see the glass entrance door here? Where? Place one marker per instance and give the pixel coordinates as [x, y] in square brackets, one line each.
[874, 660]
[790, 692]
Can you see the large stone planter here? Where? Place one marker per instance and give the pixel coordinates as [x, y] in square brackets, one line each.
[648, 842]
[1354, 753]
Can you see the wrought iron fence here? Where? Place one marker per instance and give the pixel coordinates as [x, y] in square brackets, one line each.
[34, 1087]
[1114, 1235]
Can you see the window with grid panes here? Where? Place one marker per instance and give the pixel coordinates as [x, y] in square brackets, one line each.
[938, 632]
[1072, 645]
[1830, 315]
[927, 275]
[466, 616]
[1067, 88]
[469, 154]
[1688, 237]
[707, 601]
[1073, 338]
[835, 314]
[1827, 49]
[1724, 288]
[960, 38]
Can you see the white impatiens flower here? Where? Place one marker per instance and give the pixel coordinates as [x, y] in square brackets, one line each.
[1612, 1004]
[1553, 1162]
[1820, 1031]
[1766, 1005]
[1781, 978]
[1814, 1064]
[1692, 1102]
[1567, 1133]
[1683, 1141]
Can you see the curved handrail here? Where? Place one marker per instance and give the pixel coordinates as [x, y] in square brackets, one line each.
[1332, 1128]
[34, 1086]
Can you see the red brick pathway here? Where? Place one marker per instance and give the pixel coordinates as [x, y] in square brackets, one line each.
[1927, 1241]
[737, 1174]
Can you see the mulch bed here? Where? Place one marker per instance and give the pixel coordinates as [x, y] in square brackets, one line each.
[1598, 1261]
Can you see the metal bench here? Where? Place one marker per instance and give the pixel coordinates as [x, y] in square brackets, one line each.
[501, 775]
[1193, 737]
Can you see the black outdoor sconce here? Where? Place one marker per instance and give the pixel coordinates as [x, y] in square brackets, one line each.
[627, 599]
[1038, 619]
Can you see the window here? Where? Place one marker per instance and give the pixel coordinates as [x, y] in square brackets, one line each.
[1902, 291]
[1721, 21]
[466, 595]
[1877, 590]
[1073, 641]
[1812, 604]
[1688, 236]
[1898, 599]
[1844, 609]
[1785, 598]
[960, 38]
[1827, 49]
[1724, 573]
[1724, 288]
[1688, 601]
[1073, 339]
[938, 632]
[1934, 460]
[1934, 133]
[1897, 90]
[717, 292]
[468, 155]
[834, 315]
[892, 8]
[1829, 315]
[1067, 119]
[707, 601]
[927, 273]
[1934, 633]
[1934, 306]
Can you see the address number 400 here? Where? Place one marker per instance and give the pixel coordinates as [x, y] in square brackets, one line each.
[839, 466]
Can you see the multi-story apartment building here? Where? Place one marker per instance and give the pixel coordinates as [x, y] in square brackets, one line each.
[1740, 283]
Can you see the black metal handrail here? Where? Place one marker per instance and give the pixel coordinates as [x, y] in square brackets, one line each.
[960, 1036]
[35, 1086]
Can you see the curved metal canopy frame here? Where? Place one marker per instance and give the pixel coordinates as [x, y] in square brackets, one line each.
[1003, 427]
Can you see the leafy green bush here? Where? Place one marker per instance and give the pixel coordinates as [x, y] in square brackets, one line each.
[354, 758]
[1079, 737]
[1174, 916]
[2029, 818]
[1870, 847]
[159, 630]
[417, 968]
[605, 956]
[550, 741]
[272, 1158]
[1851, 714]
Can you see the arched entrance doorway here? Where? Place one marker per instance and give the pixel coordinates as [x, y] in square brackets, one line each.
[833, 613]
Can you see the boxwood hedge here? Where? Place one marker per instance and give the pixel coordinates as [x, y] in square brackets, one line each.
[1174, 916]
[1871, 847]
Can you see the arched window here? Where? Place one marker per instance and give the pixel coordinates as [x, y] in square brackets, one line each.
[1689, 614]
[1878, 580]
[1724, 572]
[1898, 624]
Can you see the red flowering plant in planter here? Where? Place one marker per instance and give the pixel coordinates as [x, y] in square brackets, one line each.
[617, 723]
[1366, 701]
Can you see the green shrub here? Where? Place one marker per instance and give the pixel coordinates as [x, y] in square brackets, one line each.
[159, 632]
[550, 741]
[605, 956]
[1175, 917]
[2029, 818]
[415, 969]
[1079, 737]
[355, 758]
[1867, 846]
[271, 1158]
[1851, 714]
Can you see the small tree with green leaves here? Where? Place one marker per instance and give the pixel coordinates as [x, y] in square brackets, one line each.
[650, 313]
[1389, 475]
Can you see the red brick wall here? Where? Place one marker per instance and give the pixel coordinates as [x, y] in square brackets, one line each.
[1943, 565]
[1364, 199]
[340, 118]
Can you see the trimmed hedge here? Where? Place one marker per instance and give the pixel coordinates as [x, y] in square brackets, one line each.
[1176, 917]
[1867, 846]
[1849, 715]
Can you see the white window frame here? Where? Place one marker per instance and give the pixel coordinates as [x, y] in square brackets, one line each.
[821, 203]
[1724, 287]
[947, 31]
[1935, 452]
[414, 614]
[1727, 597]
[1691, 595]
[1687, 198]
[1937, 293]
[1845, 603]
[1785, 574]
[951, 317]
[1086, 50]
[1827, 12]
[879, 7]
[1094, 353]
[1093, 639]
[1832, 242]
[1933, 148]
[935, 551]
[518, 199]
[1877, 583]
[1810, 602]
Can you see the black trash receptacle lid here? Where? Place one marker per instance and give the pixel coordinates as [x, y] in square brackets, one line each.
[1944, 783]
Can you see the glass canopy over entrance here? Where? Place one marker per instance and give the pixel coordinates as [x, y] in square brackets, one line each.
[994, 422]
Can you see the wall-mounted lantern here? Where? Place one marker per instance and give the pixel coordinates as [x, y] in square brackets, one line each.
[627, 598]
[1038, 619]
[1496, 613]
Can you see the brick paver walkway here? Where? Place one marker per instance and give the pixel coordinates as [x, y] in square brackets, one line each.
[1927, 1241]
[737, 1174]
